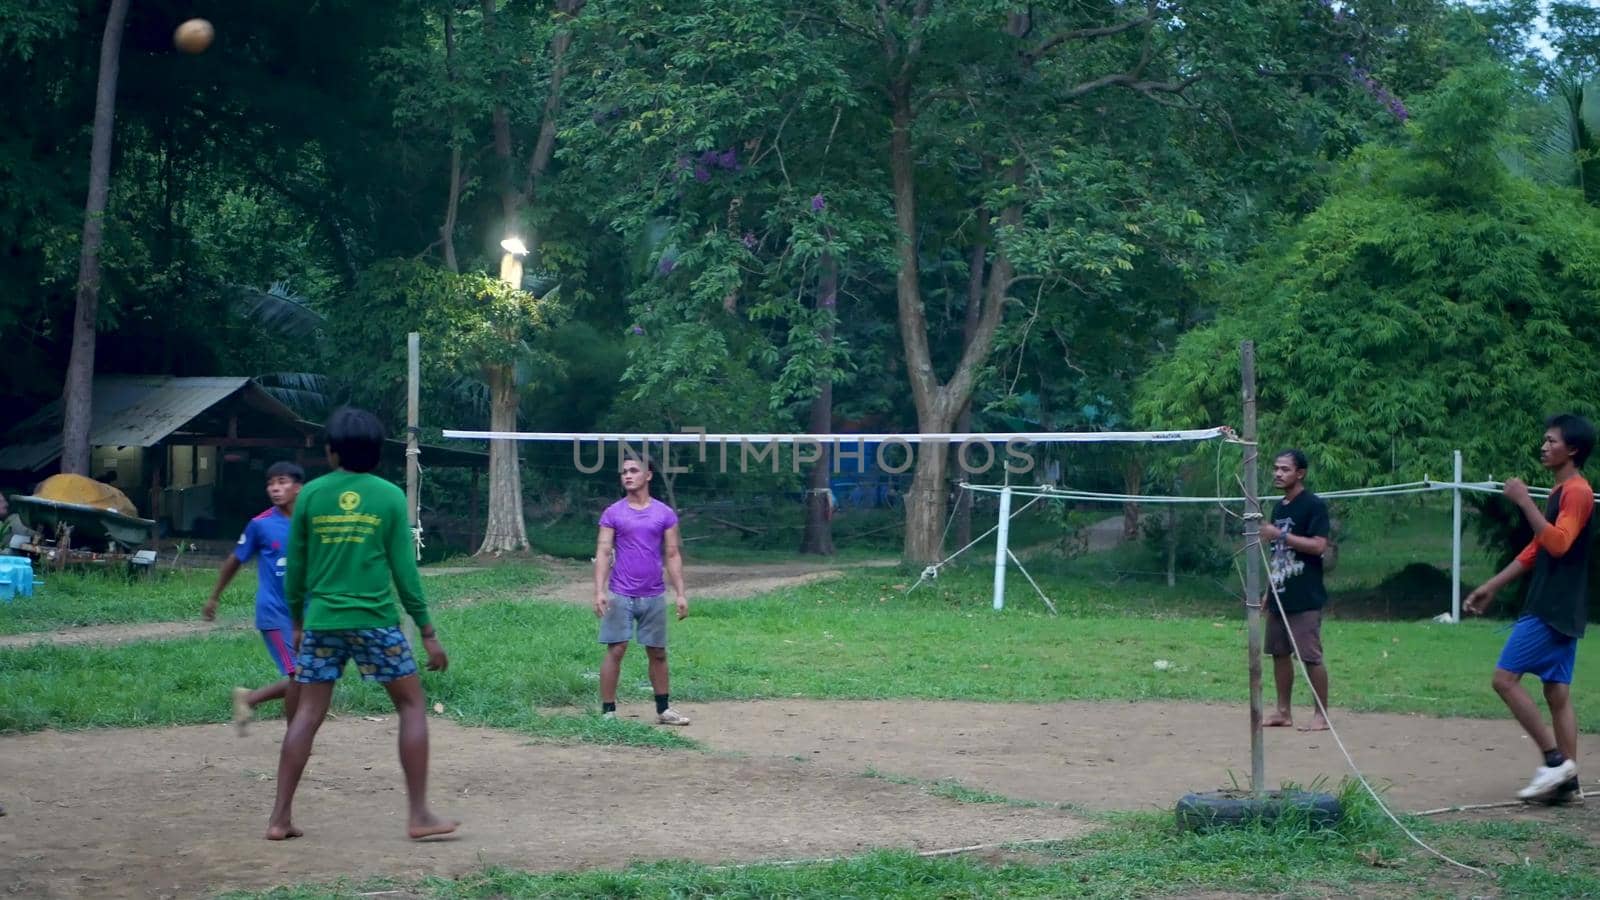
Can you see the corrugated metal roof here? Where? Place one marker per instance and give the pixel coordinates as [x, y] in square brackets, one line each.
[129, 411]
[139, 412]
[143, 410]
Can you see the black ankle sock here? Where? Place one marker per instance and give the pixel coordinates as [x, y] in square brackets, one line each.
[661, 705]
[607, 707]
[1553, 757]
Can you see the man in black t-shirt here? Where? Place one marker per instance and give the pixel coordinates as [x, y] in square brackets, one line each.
[1299, 535]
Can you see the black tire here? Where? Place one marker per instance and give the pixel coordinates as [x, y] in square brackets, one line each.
[1222, 809]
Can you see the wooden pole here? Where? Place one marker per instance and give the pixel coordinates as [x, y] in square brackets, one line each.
[413, 470]
[1252, 563]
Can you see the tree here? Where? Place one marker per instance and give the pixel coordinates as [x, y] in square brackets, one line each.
[78, 395]
[1434, 302]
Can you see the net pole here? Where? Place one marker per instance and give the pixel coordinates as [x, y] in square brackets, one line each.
[413, 469]
[1455, 545]
[1001, 537]
[1252, 564]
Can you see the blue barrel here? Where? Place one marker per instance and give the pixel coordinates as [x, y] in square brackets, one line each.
[16, 577]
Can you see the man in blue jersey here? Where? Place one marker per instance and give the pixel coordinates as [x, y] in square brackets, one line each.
[266, 538]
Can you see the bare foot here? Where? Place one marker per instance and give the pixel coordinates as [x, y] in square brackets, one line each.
[430, 825]
[1318, 723]
[283, 832]
[1277, 720]
[242, 710]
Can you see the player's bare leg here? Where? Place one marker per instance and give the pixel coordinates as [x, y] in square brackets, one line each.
[292, 756]
[1283, 678]
[611, 671]
[411, 706]
[1319, 686]
[1509, 686]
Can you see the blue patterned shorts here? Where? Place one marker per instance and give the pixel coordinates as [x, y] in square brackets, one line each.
[380, 654]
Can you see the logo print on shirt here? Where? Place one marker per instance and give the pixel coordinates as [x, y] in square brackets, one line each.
[349, 500]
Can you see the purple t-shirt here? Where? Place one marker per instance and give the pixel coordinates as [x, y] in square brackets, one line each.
[639, 532]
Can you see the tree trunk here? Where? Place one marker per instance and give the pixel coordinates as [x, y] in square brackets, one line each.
[545, 147]
[506, 532]
[447, 231]
[969, 329]
[1172, 545]
[1132, 480]
[925, 504]
[78, 394]
[818, 536]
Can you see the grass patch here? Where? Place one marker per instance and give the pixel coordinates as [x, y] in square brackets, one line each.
[858, 637]
[1138, 854]
[75, 599]
[72, 599]
[952, 789]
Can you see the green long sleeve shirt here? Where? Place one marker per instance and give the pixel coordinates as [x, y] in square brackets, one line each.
[349, 540]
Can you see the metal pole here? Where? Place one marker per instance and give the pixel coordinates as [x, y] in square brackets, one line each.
[413, 400]
[1252, 564]
[413, 471]
[1001, 535]
[1455, 546]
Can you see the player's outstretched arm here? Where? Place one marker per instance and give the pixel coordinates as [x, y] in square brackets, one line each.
[1479, 599]
[230, 568]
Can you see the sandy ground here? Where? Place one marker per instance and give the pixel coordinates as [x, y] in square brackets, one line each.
[180, 811]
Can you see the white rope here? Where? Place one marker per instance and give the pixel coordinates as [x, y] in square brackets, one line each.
[959, 437]
[1035, 584]
[1392, 490]
[1305, 674]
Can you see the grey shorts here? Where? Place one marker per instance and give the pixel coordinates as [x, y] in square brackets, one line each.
[1307, 628]
[646, 614]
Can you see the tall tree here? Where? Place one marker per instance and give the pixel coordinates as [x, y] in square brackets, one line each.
[1433, 303]
[78, 394]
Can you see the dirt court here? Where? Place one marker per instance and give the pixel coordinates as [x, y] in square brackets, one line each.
[180, 811]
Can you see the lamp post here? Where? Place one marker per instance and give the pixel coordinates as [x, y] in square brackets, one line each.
[511, 261]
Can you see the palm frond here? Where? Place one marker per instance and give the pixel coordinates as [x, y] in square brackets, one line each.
[278, 309]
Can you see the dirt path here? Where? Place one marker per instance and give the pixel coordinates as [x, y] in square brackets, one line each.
[1115, 755]
[574, 583]
[118, 634]
[180, 811]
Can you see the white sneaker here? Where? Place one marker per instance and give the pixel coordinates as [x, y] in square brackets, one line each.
[670, 716]
[609, 714]
[1547, 779]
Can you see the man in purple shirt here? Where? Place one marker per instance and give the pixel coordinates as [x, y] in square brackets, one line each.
[629, 596]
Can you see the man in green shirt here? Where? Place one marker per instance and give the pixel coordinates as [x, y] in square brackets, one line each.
[349, 539]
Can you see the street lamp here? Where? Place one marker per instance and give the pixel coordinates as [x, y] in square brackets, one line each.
[511, 261]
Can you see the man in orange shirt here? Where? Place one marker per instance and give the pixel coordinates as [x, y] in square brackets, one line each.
[1544, 641]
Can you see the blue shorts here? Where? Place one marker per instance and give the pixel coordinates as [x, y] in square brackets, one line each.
[277, 641]
[380, 654]
[1535, 648]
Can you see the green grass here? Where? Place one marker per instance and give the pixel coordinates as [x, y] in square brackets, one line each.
[74, 598]
[858, 637]
[1138, 854]
[77, 598]
[862, 636]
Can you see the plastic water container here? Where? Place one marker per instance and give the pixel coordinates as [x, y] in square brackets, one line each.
[16, 577]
